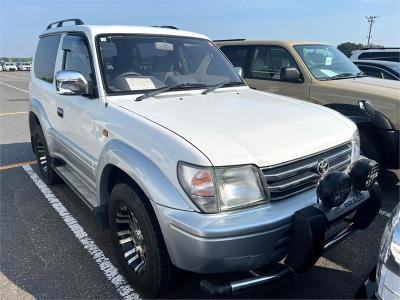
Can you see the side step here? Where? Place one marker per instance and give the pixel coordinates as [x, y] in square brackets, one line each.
[80, 185]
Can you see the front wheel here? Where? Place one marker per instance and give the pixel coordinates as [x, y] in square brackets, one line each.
[138, 242]
[43, 158]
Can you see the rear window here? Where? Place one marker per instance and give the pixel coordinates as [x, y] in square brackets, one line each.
[45, 57]
[383, 55]
[236, 54]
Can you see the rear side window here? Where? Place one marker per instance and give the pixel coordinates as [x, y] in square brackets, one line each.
[236, 54]
[383, 55]
[45, 57]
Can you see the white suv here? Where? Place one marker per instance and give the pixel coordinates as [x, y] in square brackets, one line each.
[9, 66]
[155, 130]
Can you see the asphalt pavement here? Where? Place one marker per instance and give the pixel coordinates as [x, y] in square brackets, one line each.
[51, 245]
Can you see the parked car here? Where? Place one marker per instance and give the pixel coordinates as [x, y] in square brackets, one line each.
[384, 280]
[155, 130]
[322, 74]
[9, 66]
[387, 54]
[379, 68]
[24, 66]
[1, 68]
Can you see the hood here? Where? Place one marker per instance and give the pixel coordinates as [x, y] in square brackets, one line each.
[243, 126]
[370, 85]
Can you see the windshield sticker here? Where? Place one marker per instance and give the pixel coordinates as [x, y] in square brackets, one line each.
[328, 60]
[164, 46]
[328, 73]
[140, 83]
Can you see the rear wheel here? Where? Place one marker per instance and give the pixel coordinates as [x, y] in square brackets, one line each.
[43, 158]
[138, 242]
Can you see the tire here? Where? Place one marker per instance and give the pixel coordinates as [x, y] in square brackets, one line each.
[43, 158]
[147, 264]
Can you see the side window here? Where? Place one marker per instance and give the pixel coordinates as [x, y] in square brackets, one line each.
[45, 57]
[76, 56]
[267, 62]
[371, 71]
[236, 54]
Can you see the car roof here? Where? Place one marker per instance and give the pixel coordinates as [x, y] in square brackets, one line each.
[268, 42]
[94, 30]
[376, 62]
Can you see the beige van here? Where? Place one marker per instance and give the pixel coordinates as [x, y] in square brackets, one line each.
[321, 74]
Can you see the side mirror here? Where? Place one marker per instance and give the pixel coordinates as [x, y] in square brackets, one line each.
[71, 83]
[239, 70]
[290, 74]
[367, 108]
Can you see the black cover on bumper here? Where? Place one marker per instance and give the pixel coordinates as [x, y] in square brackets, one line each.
[309, 227]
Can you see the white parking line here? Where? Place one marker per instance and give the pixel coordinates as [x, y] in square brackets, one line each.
[109, 270]
[13, 76]
[14, 87]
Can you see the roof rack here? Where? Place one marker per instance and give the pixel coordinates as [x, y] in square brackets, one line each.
[379, 48]
[229, 40]
[61, 23]
[166, 26]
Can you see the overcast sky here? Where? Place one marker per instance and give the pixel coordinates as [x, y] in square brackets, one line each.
[327, 21]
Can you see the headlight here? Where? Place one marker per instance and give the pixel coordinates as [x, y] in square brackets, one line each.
[388, 269]
[222, 188]
[355, 146]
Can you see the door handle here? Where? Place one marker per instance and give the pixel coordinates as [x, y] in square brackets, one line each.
[60, 112]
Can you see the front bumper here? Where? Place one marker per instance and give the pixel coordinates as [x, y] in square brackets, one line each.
[250, 239]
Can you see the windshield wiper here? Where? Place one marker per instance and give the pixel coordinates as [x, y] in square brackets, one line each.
[169, 88]
[342, 76]
[213, 87]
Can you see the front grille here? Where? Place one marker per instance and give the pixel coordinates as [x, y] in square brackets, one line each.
[291, 178]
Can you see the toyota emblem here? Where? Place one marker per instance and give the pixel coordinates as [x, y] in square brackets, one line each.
[322, 167]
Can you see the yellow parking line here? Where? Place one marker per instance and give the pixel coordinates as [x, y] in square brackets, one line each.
[13, 113]
[16, 165]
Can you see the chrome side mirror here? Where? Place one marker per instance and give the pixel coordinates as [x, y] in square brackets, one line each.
[239, 70]
[71, 83]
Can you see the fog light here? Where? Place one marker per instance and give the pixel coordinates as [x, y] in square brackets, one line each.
[364, 173]
[334, 188]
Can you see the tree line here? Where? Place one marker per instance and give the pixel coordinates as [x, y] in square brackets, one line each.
[348, 47]
[15, 59]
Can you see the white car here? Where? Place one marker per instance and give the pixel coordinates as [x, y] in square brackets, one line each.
[1, 68]
[9, 66]
[386, 54]
[24, 66]
[157, 133]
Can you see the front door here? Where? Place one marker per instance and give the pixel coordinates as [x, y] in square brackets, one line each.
[264, 72]
[78, 131]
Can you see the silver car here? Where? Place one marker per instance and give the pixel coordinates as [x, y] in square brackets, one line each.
[384, 281]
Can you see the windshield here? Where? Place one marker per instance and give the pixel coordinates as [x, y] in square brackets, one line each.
[326, 62]
[135, 64]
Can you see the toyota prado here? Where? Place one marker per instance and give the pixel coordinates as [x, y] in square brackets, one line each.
[191, 169]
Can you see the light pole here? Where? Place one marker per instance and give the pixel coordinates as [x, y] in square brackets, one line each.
[371, 21]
